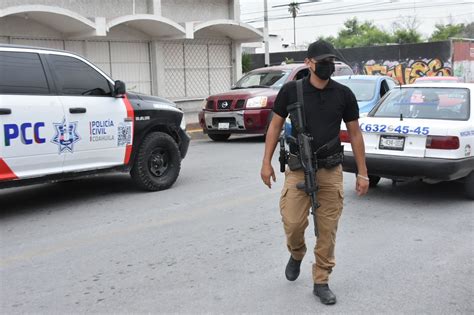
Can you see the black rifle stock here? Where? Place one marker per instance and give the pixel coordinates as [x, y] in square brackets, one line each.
[307, 159]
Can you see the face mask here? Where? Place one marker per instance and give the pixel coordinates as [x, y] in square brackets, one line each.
[324, 69]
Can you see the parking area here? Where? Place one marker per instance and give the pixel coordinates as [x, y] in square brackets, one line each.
[214, 243]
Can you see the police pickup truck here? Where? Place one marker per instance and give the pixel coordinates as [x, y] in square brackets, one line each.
[62, 117]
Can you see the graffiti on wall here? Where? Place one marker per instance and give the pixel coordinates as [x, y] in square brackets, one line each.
[407, 71]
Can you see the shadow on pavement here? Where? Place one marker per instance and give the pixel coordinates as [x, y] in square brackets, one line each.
[418, 191]
[236, 139]
[35, 198]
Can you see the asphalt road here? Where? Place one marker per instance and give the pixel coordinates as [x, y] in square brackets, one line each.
[214, 243]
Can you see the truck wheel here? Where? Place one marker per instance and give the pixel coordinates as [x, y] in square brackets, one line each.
[373, 180]
[469, 186]
[157, 163]
[219, 137]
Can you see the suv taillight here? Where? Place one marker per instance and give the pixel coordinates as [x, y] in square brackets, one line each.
[344, 136]
[442, 142]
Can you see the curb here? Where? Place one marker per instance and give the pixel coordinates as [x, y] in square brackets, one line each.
[192, 127]
[195, 131]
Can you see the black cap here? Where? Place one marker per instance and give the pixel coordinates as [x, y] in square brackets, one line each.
[320, 50]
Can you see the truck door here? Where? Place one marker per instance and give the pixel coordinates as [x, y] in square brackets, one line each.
[29, 111]
[101, 123]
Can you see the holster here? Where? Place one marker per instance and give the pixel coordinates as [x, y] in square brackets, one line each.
[294, 162]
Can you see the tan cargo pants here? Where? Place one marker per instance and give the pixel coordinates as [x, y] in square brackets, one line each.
[294, 207]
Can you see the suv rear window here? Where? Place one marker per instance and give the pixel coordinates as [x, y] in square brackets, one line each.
[22, 73]
[426, 103]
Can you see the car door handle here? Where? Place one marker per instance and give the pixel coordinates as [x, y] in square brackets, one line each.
[5, 111]
[77, 110]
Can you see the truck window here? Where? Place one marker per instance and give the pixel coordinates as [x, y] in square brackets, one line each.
[75, 77]
[22, 73]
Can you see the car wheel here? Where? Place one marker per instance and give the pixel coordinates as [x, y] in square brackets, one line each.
[220, 137]
[157, 163]
[373, 180]
[469, 186]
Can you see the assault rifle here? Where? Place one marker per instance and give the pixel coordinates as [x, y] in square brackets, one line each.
[306, 154]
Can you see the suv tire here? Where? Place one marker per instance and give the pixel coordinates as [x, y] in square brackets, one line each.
[157, 163]
[219, 137]
[469, 185]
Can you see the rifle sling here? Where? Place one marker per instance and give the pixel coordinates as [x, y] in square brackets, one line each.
[300, 99]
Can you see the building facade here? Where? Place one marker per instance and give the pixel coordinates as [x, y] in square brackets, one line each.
[183, 50]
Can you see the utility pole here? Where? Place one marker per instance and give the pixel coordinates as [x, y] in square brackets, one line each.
[265, 33]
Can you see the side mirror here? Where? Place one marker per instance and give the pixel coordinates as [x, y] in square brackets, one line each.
[119, 88]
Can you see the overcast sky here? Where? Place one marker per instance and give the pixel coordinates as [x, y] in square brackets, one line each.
[326, 17]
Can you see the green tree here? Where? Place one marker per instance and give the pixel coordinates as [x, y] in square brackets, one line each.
[405, 32]
[246, 62]
[468, 31]
[444, 32]
[330, 39]
[406, 36]
[293, 9]
[357, 34]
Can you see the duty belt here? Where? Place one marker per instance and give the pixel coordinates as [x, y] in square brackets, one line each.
[328, 162]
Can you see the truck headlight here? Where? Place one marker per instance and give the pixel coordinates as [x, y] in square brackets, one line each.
[182, 125]
[256, 102]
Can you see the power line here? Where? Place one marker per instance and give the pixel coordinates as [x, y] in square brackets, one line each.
[383, 19]
[359, 11]
[325, 9]
[415, 3]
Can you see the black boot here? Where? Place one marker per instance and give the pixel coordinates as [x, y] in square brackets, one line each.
[325, 294]
[292, 270]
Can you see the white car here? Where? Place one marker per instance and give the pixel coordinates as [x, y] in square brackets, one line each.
[423, 131]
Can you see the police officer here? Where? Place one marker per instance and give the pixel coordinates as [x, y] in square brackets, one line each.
[326, 104]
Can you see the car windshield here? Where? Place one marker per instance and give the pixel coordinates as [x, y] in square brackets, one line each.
[364, 90]
[425, 103]
[262, 79]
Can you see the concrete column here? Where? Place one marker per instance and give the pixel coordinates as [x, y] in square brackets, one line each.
[236, 61]
[101, 26]
[234, 10]
[189, 28]
[157, 68]
[154, 7]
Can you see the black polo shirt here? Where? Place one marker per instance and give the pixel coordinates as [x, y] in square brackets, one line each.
[324, 110]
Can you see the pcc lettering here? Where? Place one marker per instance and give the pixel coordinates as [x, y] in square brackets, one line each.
[29, 133]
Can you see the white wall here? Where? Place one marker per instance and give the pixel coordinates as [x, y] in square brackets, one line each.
[16, 26]
[196, 10]
[88, 8]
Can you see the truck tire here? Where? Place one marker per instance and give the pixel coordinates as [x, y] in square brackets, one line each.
[469, 185]
[157, 163]
[373, 180]
[219, 137]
